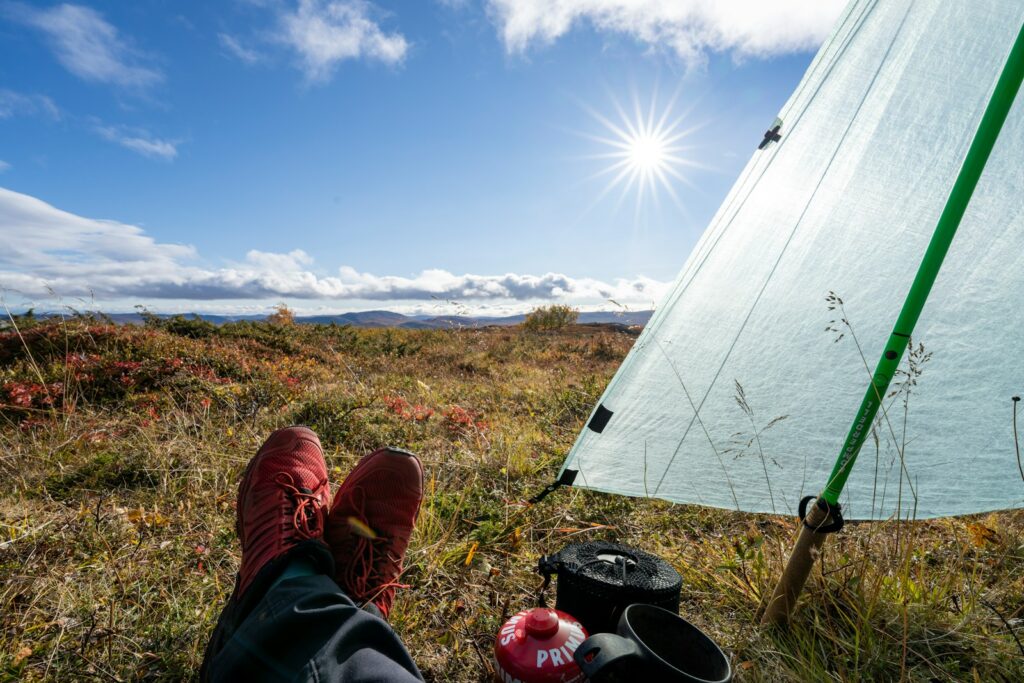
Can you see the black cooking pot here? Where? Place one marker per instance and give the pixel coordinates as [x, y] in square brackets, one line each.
[597, 580]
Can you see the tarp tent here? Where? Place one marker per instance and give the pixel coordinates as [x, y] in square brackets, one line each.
[740, 390]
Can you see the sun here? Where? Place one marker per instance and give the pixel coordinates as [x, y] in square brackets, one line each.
[647, 153]
[645, 150]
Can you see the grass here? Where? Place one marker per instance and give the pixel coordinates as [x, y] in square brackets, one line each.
[121, 446]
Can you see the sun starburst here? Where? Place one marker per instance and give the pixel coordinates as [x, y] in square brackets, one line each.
[647, 152]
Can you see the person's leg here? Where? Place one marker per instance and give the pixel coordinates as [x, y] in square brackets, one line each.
[304, 628]
[287, 619]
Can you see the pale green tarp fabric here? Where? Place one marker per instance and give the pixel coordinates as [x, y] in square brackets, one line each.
[845, 202]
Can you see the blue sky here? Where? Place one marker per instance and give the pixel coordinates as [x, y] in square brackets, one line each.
[343, 155]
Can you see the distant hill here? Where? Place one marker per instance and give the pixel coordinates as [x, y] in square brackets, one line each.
[424, 322]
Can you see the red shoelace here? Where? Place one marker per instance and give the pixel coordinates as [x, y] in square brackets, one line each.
[366, 574]
[308, 516]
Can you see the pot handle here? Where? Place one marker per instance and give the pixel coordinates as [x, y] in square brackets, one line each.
[602, 650]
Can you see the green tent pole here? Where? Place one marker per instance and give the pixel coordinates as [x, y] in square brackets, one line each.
[778, 608]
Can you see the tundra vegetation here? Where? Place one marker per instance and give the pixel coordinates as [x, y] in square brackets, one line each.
[121, 447]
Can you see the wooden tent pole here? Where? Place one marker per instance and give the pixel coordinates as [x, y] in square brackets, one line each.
[777, 609]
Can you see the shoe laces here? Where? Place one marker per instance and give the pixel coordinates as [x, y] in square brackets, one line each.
[367, 574]
[308, 516]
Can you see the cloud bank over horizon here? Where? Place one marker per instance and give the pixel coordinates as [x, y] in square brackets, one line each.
[50, 251]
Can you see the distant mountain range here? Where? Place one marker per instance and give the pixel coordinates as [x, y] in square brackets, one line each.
[426, 322]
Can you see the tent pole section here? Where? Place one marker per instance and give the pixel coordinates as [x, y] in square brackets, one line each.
[778, 608]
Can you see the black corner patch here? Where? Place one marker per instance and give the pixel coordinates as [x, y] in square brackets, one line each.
[568, 477]
[600, 419]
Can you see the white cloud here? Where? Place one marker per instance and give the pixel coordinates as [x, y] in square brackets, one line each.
[325, 33]
[237, 50]
[4, 166]
[87, 45]
[136, 139]
[689, 28]
[140, 141]
[291, 262]
[440, 284]
[43, 244]
[19, 104]
[47, 249]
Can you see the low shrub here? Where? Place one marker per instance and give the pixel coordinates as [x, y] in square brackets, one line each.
[553, 317]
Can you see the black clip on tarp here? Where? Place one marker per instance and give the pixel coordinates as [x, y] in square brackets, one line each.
[567, 478]
[772, 134]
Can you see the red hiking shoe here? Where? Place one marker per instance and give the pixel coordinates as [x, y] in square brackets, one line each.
[282, 500]
[370, 522]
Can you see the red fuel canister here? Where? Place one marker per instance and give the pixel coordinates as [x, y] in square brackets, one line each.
[536, 646]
